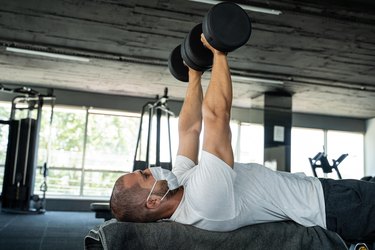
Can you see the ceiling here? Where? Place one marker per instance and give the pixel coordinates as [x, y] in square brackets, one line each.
[322, 52]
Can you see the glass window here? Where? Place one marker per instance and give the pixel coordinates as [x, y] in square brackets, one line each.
[250, 143]
[99, 183]
[306, 143]
[174, 137]
[338, 143]
[110, 148]
[66, 138]
[235, 128]
[111, 141]
[60, 182]
[61, 145]
[4, 130]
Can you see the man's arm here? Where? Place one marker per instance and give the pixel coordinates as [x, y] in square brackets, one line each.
[190, 118]
[216, 108]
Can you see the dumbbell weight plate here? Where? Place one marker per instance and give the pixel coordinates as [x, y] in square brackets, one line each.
[176, 66]
[194, 53]
[226, 26]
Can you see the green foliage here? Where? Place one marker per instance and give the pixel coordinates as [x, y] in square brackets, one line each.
[68, 131]
[111, 133]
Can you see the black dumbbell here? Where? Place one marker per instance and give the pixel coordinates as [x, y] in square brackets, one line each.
[194, 53]
[226, 27]
[191, 52]
[176, 65]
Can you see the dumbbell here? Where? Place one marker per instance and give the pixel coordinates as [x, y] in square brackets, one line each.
[226, 27]
[192, 53]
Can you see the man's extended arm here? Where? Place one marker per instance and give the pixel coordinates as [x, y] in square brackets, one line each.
[190, 118]
[216, 109]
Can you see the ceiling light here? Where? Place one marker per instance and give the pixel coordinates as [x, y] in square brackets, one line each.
[47, 54]
[256, 79]
[245, 7]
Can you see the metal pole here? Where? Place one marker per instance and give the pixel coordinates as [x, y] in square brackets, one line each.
[84, 153]
[158, 118]
[151, 114]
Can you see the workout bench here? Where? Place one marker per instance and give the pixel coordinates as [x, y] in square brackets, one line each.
[102, 210]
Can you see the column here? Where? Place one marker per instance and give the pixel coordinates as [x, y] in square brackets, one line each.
[277, 130]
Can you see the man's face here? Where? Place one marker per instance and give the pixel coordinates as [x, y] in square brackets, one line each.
[145, 180]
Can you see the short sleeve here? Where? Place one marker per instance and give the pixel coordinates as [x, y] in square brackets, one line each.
[182, 165]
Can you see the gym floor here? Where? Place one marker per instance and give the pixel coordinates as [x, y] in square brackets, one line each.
[52, 230]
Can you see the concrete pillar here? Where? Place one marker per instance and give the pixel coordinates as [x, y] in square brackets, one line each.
[277, 130]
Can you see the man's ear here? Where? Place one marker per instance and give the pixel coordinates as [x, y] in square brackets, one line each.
[153, 202]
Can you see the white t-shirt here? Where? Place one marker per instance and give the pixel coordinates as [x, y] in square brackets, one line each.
[219, 198]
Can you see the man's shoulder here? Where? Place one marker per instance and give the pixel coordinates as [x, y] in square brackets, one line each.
[182, 164]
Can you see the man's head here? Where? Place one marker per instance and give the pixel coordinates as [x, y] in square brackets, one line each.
[129, 197]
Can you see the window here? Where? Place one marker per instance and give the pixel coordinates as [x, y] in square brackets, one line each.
[306, 143]
[250, 143]
[339, 143]
[86, 150]
[4, 129]
[61, 144]
[110, 145]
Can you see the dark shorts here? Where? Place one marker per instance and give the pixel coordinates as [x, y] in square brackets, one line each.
[350, 209]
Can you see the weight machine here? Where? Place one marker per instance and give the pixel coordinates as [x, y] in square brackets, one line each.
[22, 153]
[320, 161]
[158, 112]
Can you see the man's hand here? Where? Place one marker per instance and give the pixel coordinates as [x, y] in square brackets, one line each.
[193, 74]
[208, 46]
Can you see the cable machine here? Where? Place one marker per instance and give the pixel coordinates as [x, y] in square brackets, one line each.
[149, 147]
[22, 153]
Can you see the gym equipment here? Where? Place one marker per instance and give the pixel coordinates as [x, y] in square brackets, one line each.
[102, 210]
[368, 178]
[320, 161]
[22, 152]
[194, 53]
[176, 65]
[226, 27]
[154, 110]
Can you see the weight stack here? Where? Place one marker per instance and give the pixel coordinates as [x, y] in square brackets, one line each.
[20, 166]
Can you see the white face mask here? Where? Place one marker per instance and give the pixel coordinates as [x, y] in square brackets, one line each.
[161, 174]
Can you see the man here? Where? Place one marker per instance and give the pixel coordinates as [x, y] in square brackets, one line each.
[217, 194]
